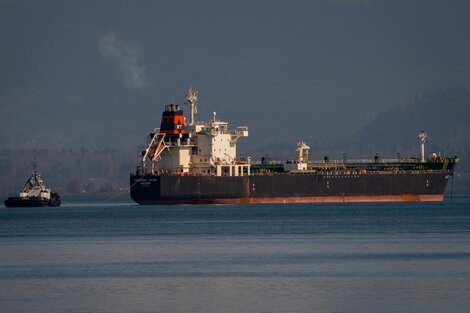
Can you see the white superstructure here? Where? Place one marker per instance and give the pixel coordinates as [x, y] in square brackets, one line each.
[197, 148]
[301, 164]
[35, 187]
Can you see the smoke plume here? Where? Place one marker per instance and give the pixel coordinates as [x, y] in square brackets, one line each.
[126, 56]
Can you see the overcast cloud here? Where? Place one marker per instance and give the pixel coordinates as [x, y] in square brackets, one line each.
[290, 71]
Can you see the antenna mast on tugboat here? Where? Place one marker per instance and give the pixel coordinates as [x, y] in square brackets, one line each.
[191, 100]
[35, 173]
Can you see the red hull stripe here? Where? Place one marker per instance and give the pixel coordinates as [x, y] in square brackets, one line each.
[335, 199]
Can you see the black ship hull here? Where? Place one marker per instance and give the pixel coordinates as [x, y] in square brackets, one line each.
[288, 188]
[20, 202]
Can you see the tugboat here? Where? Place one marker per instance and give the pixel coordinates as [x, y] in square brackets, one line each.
[34, 194]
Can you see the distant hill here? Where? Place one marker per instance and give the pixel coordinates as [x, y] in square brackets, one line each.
[444, 115]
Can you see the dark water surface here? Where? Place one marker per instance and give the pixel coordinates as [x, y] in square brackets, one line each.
[121, 257]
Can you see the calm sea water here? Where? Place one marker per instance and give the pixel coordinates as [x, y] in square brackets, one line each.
[121, 257]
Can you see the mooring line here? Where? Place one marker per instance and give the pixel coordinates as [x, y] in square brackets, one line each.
[122, 193]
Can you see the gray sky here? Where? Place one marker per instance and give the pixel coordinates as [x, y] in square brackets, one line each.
[100, 72]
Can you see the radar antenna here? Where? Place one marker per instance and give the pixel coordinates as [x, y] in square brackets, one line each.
[191, 100]
[422, 136]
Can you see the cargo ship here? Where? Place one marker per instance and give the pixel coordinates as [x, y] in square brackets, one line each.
[34, 194]
[197, 163]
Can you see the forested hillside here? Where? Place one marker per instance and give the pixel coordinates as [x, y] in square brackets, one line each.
[73, 171]
[444, 115]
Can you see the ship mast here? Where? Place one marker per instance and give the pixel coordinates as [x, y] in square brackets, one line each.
[422, 136]
[191, 100]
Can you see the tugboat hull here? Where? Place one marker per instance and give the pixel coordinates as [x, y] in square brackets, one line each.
[26, 202]
[20, 202]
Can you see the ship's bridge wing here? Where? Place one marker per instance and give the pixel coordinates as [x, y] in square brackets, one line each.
[240, 131]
